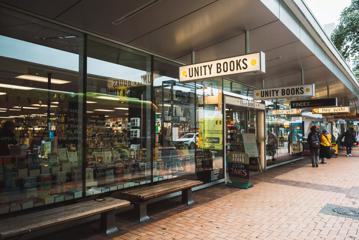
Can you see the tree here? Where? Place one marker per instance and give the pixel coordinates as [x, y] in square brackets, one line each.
[346, 35]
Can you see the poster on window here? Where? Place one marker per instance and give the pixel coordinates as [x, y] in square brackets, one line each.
[250, 145]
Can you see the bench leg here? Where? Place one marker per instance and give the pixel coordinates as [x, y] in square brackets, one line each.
[187, 197]
[108, 222]
[142, 211]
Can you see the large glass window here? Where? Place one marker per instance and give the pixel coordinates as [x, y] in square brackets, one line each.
[40, 114]
[118, 149]
[209, 154]
[175, 127]
[284, 132]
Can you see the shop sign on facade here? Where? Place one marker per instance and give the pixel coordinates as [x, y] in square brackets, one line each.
[285, 92]
[286, 112]
[244, 103]
[331, 110]
[324, 102]
[254, 62]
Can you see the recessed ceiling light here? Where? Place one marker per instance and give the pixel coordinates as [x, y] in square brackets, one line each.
[43, 105]
[90, 102]
[30, 108]
[121, 108]
[10, 86]
[103, 110]
[55, 102]
[108, 98]
[42, 79]
[2, 93]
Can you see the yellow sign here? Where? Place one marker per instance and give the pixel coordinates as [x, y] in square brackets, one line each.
[294, 111]
[331, 110]
[254, 62]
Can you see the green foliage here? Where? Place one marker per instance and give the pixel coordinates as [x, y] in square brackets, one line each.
[346, 35]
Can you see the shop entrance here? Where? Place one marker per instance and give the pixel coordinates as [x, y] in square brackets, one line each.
[244, 136]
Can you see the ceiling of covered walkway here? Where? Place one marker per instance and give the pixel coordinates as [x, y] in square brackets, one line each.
[212, 28]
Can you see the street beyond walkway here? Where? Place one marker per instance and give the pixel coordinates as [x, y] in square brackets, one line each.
[290, 202]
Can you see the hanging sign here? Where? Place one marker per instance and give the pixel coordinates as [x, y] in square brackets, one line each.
[244, 103]
[286, 112]
[331, 110]
[254, 62]
[285, 92]
[324, 102]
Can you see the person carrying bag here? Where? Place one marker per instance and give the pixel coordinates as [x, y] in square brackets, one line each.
[325, 146]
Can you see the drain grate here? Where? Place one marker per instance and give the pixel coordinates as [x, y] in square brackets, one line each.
[340, 211]
[347, 211]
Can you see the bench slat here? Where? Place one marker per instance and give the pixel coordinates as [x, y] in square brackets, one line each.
[148, 192]
[34, 221]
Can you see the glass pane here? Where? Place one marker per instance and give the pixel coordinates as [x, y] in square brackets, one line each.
[175, 124]
[40, 113]
[209, 154]
[284, 132]
[118, 118]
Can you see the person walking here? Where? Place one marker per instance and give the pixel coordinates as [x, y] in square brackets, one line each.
[272, 145]
[314, 145]
[349, 140]
[325, 146]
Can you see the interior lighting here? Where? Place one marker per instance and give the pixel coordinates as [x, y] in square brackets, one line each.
[2, 93]
[91, 102]
[121, 108]
[42, 79]
[108, 98]
[103, 110]
[10, 86]
[43, 105]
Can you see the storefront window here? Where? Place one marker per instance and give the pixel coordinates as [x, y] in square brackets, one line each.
[40, 114]
[284, 133]
[175, 127]
[118, 118]
[209, 154]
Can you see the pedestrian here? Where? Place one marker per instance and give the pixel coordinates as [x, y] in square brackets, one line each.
[325, 146]
[272, 144]
[349, 140]
[314, 145]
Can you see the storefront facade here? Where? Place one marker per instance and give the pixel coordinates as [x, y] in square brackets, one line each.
[83, 115]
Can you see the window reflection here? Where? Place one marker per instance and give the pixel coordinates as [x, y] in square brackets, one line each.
[40, 121]
[118, 118]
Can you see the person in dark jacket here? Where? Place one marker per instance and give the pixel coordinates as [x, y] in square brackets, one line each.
[7, 137]
[314, 145]
[349, 140]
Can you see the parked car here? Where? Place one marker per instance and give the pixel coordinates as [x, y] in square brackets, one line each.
[188, 140]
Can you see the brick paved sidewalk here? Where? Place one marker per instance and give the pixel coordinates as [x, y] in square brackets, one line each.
[289, 202]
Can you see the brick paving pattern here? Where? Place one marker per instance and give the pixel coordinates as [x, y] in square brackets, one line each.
[285, 203]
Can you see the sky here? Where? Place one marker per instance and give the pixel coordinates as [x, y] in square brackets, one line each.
[327, 11]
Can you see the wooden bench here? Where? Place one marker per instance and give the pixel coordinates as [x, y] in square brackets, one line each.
[27, 223]
[141, 196]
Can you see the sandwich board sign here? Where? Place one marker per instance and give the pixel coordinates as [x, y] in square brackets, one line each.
[285, 92]
[254, 62]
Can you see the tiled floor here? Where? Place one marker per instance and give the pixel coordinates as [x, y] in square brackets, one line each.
[285, 203]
